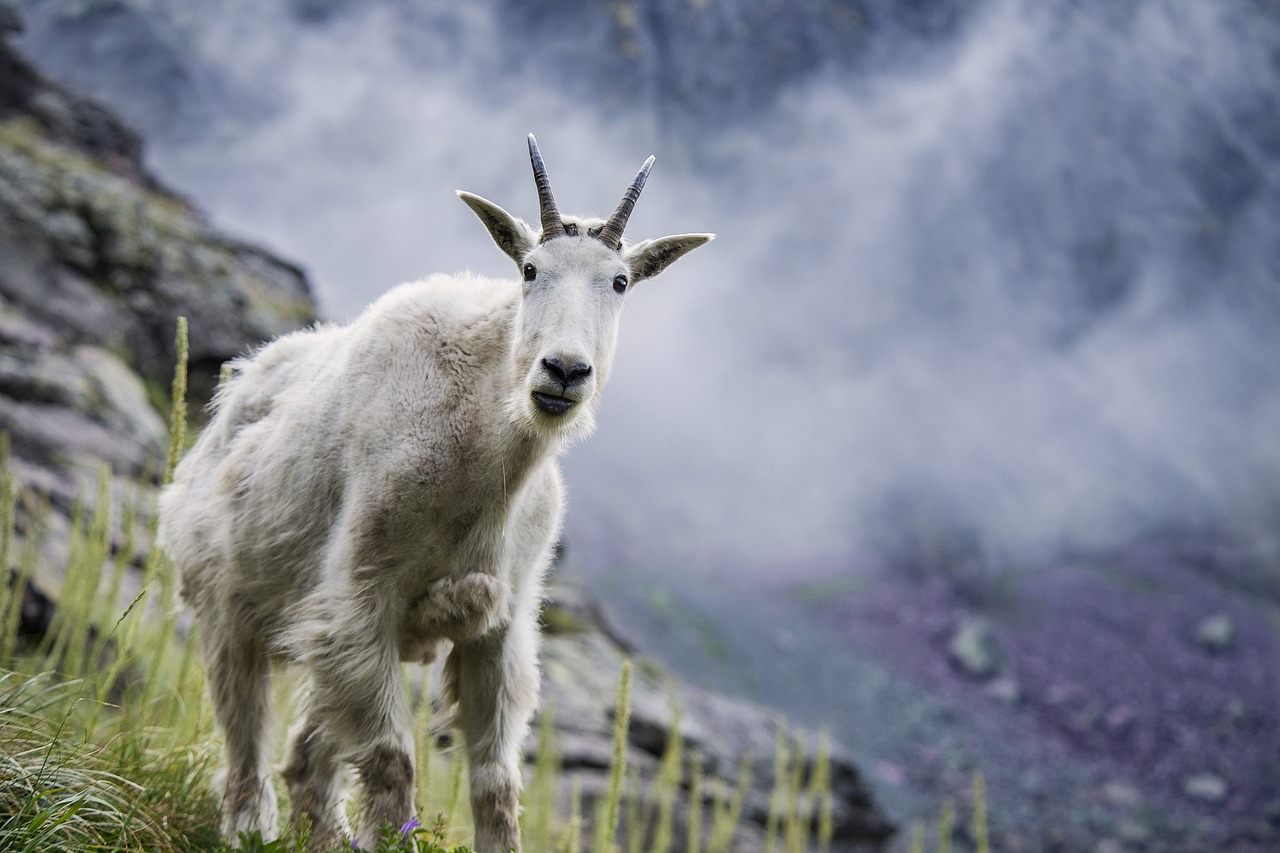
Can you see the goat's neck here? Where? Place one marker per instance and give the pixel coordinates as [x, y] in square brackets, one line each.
[520, 447]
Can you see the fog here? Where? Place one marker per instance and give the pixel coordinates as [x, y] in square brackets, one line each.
[1009, 292]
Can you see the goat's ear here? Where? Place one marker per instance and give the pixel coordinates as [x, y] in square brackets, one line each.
[650, 257]
[512, 235]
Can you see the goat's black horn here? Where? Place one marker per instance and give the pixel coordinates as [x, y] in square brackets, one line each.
[552, 224]
[611, 231]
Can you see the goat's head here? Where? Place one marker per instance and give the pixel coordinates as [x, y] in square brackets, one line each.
[576, 273]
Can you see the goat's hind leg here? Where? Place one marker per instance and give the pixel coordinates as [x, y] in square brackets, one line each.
[238, 670]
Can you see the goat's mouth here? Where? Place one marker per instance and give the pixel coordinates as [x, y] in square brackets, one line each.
[552, 404]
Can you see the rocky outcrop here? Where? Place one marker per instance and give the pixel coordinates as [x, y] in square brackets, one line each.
[99, 261]
[97, 250]
[63, 117]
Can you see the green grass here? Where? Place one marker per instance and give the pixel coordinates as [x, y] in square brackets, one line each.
[107, 740]
[62, 788]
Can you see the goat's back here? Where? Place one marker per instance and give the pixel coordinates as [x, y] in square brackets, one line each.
[317, 413]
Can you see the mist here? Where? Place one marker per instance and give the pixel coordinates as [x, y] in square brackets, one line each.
[1011, 289]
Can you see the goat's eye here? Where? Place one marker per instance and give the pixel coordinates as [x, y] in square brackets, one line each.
[620, 283]
[530, 272]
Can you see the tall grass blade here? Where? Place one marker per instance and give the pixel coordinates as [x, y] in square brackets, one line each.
[97, 553]
[455, 790]
[797, 830]
[15, 583]
[726, 823]
[607, 819]
[177, 402]
[778, 799]
[981, 841]
[542, 793]
[820, 795]
[52, 645]
[424, 743]
[635, 823]
[573, 832]
[917, 837]
[8, 502]
[667, 785]
[694, 839]
[946, 825]
[159, 568]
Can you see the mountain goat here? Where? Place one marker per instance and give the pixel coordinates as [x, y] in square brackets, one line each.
[388, 490]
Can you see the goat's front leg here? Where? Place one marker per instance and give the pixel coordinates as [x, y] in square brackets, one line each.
[316, 780]
[358, 702]
[494, 680]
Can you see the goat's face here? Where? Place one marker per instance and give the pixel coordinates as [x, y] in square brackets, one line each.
[573, 290]
[575, 275]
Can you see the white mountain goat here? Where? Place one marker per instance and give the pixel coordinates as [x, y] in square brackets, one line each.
[383, 491]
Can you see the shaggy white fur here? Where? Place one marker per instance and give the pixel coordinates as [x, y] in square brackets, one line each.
[386, 491]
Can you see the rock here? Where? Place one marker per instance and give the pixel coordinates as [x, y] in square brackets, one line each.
[574, 610]
[1217, 633]
[973, 648]
[10, 23]
[1122, 794]
[64, 118]
[111, 262]
[1133, 831]
[99, 260]
[1032, 783]
[1206, 788]
[581, 670]
[1120, 719]
[1005, 690]
[96, 248]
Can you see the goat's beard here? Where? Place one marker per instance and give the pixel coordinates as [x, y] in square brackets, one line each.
[574, 425]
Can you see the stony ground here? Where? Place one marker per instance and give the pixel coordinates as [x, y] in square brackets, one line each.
[1128, 698]
[1113, 702]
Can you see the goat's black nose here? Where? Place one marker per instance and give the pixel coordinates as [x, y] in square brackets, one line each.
[566, 373]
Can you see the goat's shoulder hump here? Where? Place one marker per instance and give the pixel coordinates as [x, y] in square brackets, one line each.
[461, 298]
[442, 311]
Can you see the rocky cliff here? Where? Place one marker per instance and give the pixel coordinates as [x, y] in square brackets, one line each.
[97, 261]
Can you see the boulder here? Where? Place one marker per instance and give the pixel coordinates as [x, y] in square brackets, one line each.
[974, 650]
[1206, 788]
[1216, 633]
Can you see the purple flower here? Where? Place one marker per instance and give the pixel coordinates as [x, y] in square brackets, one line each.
[410, 825]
